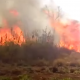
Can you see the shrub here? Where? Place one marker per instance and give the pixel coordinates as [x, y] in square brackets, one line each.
[16, 72]
[72, 70]
[54, 69]
[73, 64]
[61, 79]
[59, 62]
[24, 77]
[30, 70]
[4, 78]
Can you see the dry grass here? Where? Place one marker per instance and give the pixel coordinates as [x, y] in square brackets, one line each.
[40, 57]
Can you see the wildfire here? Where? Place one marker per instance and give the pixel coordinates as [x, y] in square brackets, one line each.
[15, 35]
[11, 33]
[70, 37]
[68, 31]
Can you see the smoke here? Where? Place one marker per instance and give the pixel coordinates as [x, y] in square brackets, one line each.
[31, 14]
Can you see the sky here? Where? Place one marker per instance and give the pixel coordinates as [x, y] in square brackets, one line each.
[70, 7]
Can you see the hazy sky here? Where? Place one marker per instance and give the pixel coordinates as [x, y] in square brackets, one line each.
[70, 7]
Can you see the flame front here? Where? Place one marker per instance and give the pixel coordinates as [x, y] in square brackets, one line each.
[68, 32]
[10, 33]
[70, 37]
[15, 35]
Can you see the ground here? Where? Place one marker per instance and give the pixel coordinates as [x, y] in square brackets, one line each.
[34, 73]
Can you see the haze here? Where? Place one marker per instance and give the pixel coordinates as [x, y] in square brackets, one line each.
[70, 7]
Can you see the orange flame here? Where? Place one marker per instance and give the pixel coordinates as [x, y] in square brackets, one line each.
[15, 35]
[11, 33]
[68, 32]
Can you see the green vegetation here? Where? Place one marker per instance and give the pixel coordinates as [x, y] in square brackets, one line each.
[4, 78]
[61, 79]
[24, 77]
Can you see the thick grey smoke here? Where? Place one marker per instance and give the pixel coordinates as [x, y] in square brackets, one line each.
[30, 14]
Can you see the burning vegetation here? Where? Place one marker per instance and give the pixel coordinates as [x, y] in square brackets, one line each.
[11, 32]
[15, 35]
[19, 52]
[67, 29]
